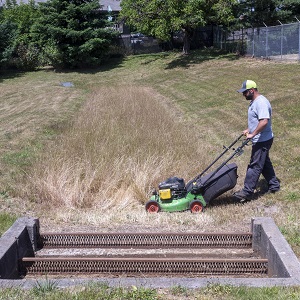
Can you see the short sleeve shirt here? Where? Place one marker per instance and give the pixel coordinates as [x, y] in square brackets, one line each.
[260, 108]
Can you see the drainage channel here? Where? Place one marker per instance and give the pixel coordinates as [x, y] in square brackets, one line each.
[190, 254]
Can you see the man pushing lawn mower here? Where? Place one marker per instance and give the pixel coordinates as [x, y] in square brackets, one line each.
[260, 132]
[175, 195]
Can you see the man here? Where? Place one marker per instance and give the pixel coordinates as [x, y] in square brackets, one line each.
[260, 132]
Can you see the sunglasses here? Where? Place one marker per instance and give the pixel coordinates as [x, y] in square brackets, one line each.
[246, 92]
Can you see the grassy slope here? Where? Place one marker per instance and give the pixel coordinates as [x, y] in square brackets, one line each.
[203, 88]
[34, 107]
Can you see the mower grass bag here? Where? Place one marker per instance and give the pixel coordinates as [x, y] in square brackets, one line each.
[211, 186]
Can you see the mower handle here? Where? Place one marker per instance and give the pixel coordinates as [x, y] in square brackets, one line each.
[226, 149]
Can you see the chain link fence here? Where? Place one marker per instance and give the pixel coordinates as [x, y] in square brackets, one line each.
[137, 43]
[280, 42]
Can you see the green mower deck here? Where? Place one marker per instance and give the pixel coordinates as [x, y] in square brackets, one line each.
[194, 203]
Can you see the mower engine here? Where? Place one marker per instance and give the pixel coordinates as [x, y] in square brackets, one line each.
[172, 188]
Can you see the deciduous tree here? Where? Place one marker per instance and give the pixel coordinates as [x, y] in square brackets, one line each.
[162, 17]
[16, 44]
[269, 12]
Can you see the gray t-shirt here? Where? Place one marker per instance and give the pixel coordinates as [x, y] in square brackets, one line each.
[259, 109]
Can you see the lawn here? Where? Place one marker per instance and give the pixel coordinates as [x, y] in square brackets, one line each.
[88, 155]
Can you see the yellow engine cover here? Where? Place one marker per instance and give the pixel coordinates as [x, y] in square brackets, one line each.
[165, 194]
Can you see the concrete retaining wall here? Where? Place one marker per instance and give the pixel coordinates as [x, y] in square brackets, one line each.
[18, 241]
[269, 243]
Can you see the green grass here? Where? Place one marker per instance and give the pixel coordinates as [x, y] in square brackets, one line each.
[103, 291]
[6, 219]
[49, 290]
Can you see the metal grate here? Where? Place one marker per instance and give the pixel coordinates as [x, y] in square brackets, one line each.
[148, 266]
[141, 240]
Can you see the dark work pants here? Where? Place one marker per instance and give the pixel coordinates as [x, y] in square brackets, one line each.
[260, 163]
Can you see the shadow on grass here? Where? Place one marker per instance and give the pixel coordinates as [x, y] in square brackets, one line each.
[199, 56]
[108, 65]
[10, 74]
[224, 200]
[182, 61]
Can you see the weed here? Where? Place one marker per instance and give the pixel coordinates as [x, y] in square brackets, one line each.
[293, 196]
[4, 194]
[135, 293]
[44, 287]
[179, 291]
[218, 290]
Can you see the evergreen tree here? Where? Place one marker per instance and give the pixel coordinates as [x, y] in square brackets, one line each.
[73, 33]
[8, 34]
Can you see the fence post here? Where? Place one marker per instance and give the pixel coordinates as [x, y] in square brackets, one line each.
[281, 39]
[266, 39]
[253, 42]
[243, 50]
[299, 41]
[298, 38]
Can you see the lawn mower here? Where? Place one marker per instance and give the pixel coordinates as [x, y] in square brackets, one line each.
[174, 195]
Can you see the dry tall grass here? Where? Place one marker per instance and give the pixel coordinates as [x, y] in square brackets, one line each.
[123, 141]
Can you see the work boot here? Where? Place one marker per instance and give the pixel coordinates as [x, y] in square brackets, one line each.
[242, 196]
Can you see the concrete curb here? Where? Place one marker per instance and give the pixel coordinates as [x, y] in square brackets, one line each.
[269, 243]
[284, 267]
[18, 241]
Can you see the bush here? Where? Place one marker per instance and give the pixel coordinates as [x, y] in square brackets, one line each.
[28, 57]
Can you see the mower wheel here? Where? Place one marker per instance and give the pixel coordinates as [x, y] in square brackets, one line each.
[196, 207]
[152, 207]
